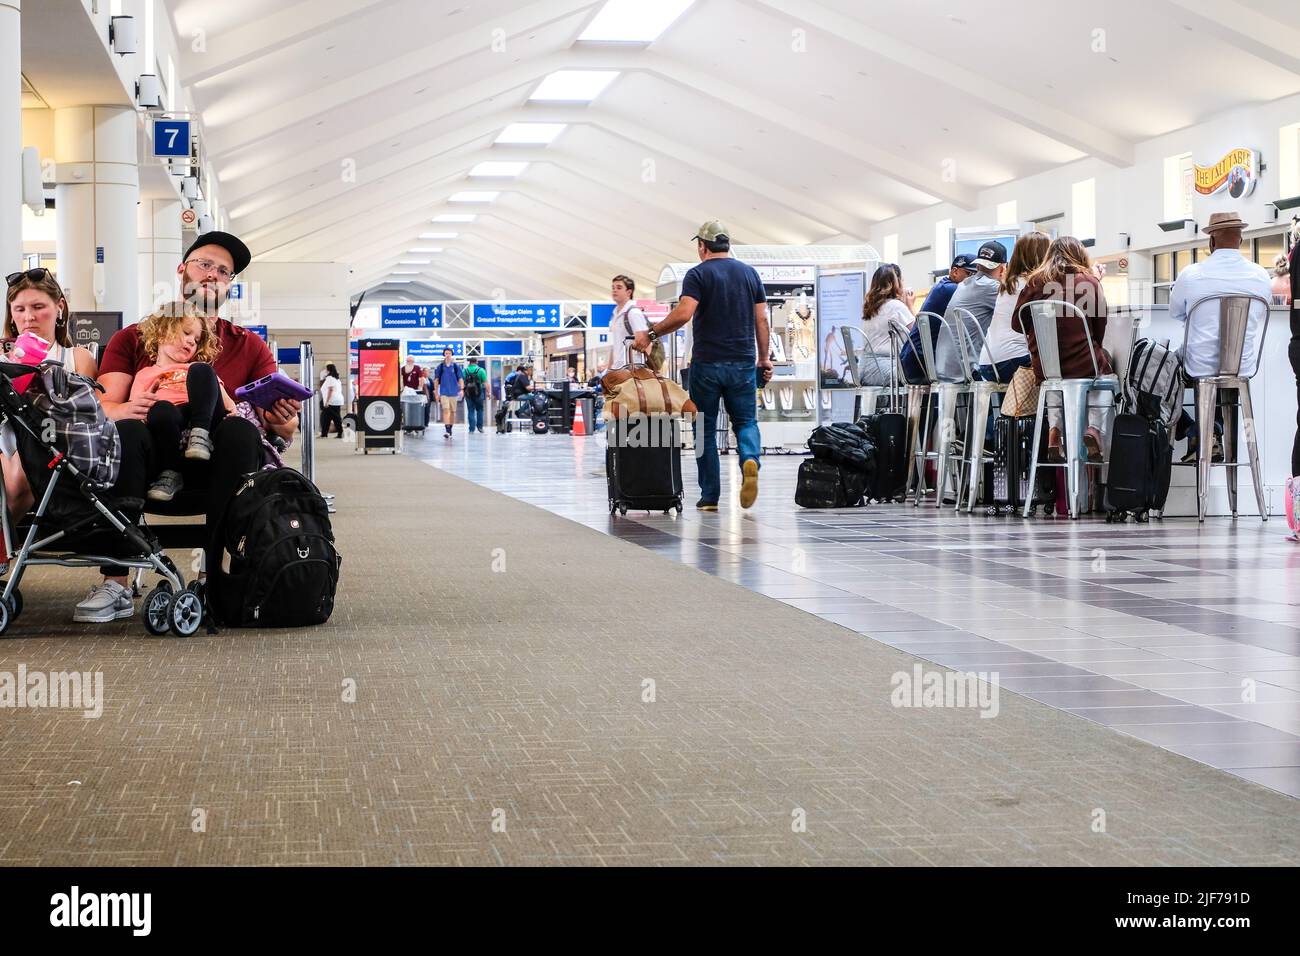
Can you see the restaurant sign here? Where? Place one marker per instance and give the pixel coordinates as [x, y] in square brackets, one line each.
[1238, 173]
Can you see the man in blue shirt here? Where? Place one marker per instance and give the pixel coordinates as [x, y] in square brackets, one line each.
[936, 303]
[447, 382]
[961, 269]
[729, 358]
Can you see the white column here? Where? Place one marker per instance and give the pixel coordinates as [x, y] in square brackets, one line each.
[96, 193]
[159, 235]
[11, 137]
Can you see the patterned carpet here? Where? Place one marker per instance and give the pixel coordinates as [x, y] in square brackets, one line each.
[501, 660]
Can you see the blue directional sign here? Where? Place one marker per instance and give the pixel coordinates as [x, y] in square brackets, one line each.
[259, 330]
[171, 138]
[602, 313]
[432, 350]
[418, 316]
[236, 291]
[517, 315]
[506, 348]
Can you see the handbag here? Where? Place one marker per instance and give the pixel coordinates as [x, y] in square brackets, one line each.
[1021, 398]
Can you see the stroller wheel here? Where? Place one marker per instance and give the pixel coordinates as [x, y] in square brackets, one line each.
[186, 613]
[15, 607]
[156, 613]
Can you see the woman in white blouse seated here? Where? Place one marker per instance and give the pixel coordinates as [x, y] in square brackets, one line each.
[886, 302]
[1005, 349]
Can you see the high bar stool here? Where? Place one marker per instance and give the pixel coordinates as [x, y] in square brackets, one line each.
[1234, 323]
[1074, 394]
[948, 392]
[970, 470]
[917, 394]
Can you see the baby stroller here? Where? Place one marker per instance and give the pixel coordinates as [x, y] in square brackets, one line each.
[75, 524]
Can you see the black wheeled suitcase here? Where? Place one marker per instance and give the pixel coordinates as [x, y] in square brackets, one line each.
[888, 432]
[643, 466]
[1013, 442]
[1141, 459]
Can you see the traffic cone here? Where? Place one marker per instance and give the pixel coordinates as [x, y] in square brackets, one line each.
[579, 423]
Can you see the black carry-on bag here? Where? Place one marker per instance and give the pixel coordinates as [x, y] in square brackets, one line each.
[643, 462]
[1141, 456]
[888, 431]
[1013, 443]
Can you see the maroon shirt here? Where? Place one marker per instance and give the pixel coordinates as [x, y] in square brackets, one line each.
[243, 358]
[412, 378]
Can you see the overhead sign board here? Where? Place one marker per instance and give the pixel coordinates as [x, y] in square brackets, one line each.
[1237, 172]
[432, 349]
[517, 315]
[415, 316]
[171, 139]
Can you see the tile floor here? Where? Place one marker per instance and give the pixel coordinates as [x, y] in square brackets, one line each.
[1183, 635]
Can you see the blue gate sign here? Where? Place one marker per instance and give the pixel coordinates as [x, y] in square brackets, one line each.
[415, 316]
[171, 138]
[258, 330]
[602, 313]
[517, 315]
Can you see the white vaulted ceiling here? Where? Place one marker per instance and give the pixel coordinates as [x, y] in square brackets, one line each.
[338, 129]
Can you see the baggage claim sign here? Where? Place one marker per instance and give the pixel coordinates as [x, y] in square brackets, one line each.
[1238, 172]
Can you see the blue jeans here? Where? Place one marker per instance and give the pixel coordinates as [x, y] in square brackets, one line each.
[732, 384]
[1004, 369]
[474, 413]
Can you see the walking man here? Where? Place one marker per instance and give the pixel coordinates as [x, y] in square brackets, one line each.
[475, 388]
[729, 357]
[448, 381]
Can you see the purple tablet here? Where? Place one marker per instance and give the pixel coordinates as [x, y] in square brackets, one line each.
[265, 392]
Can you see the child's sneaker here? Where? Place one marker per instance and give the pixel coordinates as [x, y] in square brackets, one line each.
[166, 487]
[199, 447]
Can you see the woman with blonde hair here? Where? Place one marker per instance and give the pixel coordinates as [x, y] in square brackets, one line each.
[1005, 349]
[1066, 275]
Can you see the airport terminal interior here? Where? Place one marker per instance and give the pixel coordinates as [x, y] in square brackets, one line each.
[964, 529]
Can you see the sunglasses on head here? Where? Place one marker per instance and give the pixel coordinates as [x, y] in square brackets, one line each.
[36, 275]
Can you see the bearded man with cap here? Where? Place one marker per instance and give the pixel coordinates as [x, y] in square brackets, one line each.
[206, 271]
[727, 303]
[1225, 272]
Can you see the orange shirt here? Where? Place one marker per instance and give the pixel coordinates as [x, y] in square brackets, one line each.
[171, 382]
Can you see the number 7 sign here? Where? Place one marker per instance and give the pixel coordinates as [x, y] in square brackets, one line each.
[171, 139]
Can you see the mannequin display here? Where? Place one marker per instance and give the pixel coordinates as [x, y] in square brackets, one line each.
[769, 400]
[1293, 349]
[799, 330]
[787, 398]
[809, 399]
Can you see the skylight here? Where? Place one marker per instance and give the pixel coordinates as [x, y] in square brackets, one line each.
[473, 196]
[498, 170]
[529, 134]
[573, 86]
[415, 262]
[456, 217]
[439, 235]
[423, 251]
[633, 21]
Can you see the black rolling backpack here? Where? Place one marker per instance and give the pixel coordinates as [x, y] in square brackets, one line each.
[278, 566]
[1141, 455]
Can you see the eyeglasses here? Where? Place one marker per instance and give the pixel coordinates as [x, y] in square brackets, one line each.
[36, 275]
[207, 265]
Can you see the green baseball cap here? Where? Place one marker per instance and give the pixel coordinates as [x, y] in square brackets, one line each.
[712, 231]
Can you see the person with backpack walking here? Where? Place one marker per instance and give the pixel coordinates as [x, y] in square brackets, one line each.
[475, 388]
[448, 381]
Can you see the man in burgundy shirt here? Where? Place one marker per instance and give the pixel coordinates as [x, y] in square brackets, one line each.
[206, 271]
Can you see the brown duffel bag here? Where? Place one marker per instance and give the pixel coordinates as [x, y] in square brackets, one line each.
[643, 392]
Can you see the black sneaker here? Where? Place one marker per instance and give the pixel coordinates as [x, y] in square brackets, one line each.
[166, 486]
[703, 505]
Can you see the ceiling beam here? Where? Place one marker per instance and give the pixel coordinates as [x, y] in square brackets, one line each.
[977, 88]
[262, 36]
[1247, 29]
[408, 70]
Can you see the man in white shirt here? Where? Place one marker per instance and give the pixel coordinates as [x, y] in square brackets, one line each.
[1225, 272]
[628, 320]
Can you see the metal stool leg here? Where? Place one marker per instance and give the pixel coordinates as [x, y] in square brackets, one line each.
[914, 403]
[1205, 396]
[980, 406]
[1033, 456]
[1252, 448]
[921, 449]
[1074, 397]
[1228, 397]
[946, 423]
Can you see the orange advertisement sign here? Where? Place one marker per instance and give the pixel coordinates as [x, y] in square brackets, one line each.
[377, 368]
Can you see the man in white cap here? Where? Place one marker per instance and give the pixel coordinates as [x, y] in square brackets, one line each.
[1225, 272]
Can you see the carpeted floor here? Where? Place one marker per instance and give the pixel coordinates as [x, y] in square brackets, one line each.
[500, 657]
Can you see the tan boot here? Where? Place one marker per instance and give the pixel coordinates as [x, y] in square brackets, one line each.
[1055, 449]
